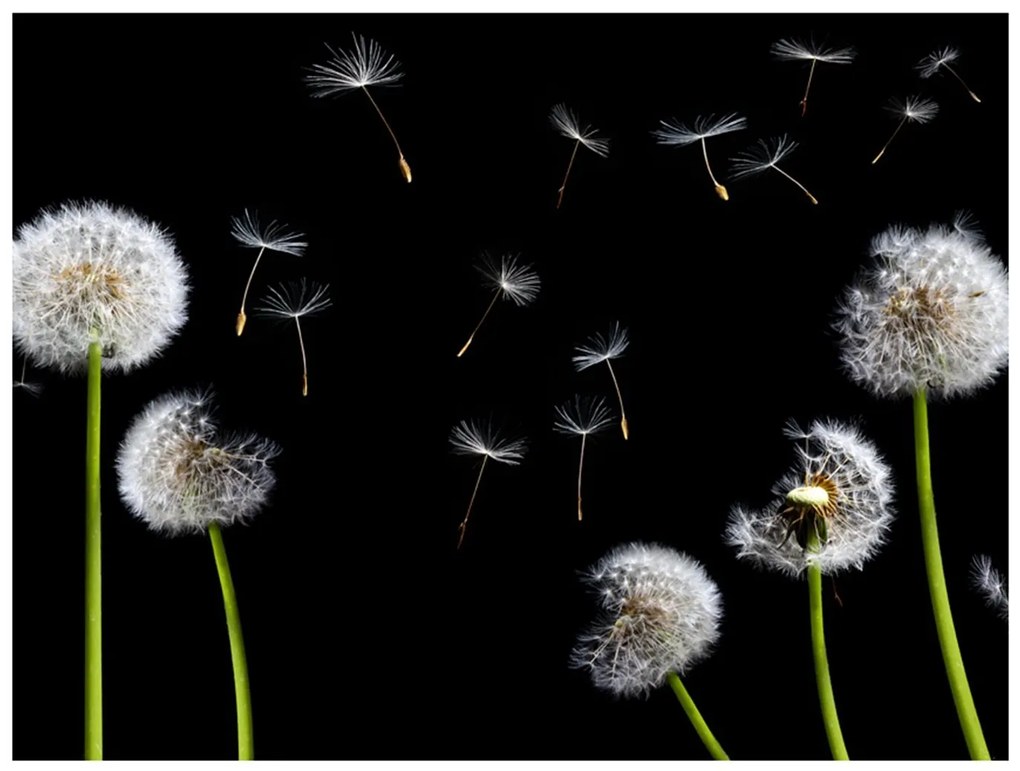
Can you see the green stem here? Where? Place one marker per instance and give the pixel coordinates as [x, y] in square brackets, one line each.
[714, 748]
[242, 692]
[825, 695]
[93, 565]
[937, 587]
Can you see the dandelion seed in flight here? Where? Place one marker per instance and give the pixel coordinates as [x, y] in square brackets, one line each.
[30, 388]
[366, 65]
[293, 301]
[940, 59]
[913, 109]
[791, 50]
[598, 349]
[511, 280]
[566, 122]
[680, 134]
[991, 584]
[582, 416]
[766, 154]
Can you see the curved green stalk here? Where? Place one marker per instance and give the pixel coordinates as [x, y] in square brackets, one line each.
[93, 565]
[714, 748]
[937, 587]
[825, 695]
[242, 691]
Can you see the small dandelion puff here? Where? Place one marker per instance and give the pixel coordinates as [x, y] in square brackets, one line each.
[476, 438]
[991, 584]
[680, 134]
[566, 122]
[913, 109]
[788, 49]
[940, 59]
[367, 64]
[293, 301]
[274, 237]
[511, 280]
[833, 509]
[33, 389]
[582, 416]
[597, 349]
[764, 155]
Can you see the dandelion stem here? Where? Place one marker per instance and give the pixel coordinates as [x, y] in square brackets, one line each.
[93, 564]
[570, 165]
[803, 102]
[242, 691]
[619, 396]
[241, 317]
[937, 587]
[886, 145]
[720, 189]
[463, 525]
[580, 467]
[813, 199]
[714, 748]
[404, 166]
[478, 326]
[304, 359]
[972, 94]
[825, 695]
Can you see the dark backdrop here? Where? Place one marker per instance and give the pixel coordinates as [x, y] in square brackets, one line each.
[368, 634]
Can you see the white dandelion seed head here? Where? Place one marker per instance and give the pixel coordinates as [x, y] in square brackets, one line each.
[931, 312]
[91, 272]
[470, 437]
[934, 61]
[660, 613]
[991, 584]
[679, 134]
[764, 154]
[513, 279]
[179, 474]
[567, 124]
[789, 49]
[583, 415]
[855, 487]
[274, 236]
[599, 348]
[915, 109]
[295, 299]
[367, 64]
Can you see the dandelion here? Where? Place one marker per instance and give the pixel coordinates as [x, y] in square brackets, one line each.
[33, 389]
[991, 584]
[510, 280]
[832, 511]
[274, 237]
[792, 50]
[95, 287]
[660, 615]
[367, 65]
[940, 59]
[568, 125]
[179, 474]
[914, 109]
[679, 134]
[293, 301]
[476, 438]
[765, 155]
[598, 349]
[582, 416]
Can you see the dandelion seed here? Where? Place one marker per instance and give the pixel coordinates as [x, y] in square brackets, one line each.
[567, 124]
[274, 237]
[789, 49]
[30, 388]
[476, 438]
[598, 349]
[582, 416]
[765, 155]
[913, 109]
[292, 301]
[510, 280]
[991, 584]
[679, 134]
[939, 59]
[366, 65]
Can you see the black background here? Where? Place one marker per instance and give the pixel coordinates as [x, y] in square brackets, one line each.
[368, 634]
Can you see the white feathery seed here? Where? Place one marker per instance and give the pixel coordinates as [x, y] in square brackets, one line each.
[582, 415]
[513, 279]
[940, 59]
[991, 584]
[367, 64]
[471, 437]
[790, 49]
[599, 348]
[679, 134]
[274, 236]
[764, 155]
[566, 122]
[294, 300]
[915, 109]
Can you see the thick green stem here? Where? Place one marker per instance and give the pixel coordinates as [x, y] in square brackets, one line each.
[93, 565]
[714, 748]
[937, 587]
[242, 692]
[825, 695]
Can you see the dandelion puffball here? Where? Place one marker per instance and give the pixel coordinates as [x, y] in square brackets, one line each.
[89, 273]
[179, 474]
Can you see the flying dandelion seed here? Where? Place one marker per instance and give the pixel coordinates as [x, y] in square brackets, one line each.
[367, 65]
[474, 438]
[991, 584]
[791, 50]
[511, 280]
[765, 155]
[274, 237]
[292, 301]
[939, 59]
[913, 109]
[582, 416]
[598, 349]
[679, 134]
[30, 388]
[567, 124]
